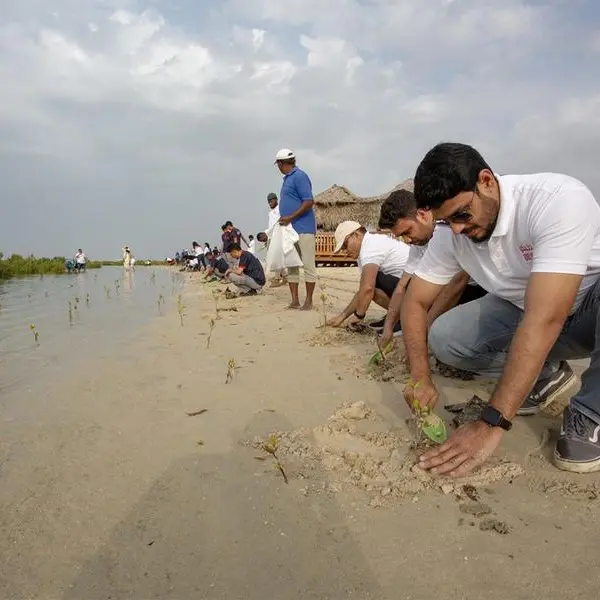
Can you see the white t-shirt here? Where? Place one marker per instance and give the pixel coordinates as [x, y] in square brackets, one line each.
[274, 217]
[548, 223]
[252, 247]
[389, 254]
[80, 258]
[414, 258]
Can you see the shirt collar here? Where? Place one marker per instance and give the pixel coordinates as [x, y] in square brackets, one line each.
[507, 208]
[291, 172]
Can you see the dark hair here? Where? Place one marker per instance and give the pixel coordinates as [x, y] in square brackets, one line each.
[194, 244]
[223, 227]
[207, 244]
[228, 224]
[447, 170]
[234, 247]
[261, 236]
[250, 237]
[400, 204]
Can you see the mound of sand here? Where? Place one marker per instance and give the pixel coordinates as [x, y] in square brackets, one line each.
[356, 448]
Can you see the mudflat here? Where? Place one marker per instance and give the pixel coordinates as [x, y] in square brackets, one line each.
[164, 475]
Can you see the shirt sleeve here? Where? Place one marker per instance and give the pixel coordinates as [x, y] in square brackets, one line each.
[439, 263]
[563, 230]
[414, 258]
[372, 252]
[303, 186]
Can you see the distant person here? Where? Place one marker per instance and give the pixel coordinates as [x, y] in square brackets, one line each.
[248, 276]
[296, 208]
[80, 260]
[252, 245]
[127, 257]
[274, 216]
[198, 251]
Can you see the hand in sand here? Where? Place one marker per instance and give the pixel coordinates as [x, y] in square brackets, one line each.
[470, 446]
[335, 321]
[387, 335]
[425, 393]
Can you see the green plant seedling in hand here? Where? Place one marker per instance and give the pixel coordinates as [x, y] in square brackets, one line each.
[379, 356]
[430, 423]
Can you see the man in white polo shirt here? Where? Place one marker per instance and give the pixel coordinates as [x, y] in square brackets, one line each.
[533, 241]
[400, 215]
[381, 260]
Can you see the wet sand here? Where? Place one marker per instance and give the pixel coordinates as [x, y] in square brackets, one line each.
[114, 492]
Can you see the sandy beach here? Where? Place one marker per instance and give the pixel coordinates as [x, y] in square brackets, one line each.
[114, 492]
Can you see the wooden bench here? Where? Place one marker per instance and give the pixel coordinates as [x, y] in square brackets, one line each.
[324, 255]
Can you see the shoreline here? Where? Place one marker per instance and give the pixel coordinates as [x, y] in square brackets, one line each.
[135, 499]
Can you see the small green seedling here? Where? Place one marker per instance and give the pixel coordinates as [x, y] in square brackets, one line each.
[270, 447]
[429, 423]
[180, 308]
[379, 356]
[36, 334]
[230, 370]
[212, 323]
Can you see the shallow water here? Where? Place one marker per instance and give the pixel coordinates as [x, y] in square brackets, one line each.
[77, 317]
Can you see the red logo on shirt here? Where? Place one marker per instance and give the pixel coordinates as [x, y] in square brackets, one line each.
[527, 252]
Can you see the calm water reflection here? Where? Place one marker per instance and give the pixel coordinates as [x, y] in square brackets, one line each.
[77, 317]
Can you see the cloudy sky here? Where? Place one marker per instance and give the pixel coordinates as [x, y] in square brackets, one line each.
[152, 122]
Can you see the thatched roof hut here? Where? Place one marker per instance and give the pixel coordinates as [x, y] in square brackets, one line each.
[338, 203]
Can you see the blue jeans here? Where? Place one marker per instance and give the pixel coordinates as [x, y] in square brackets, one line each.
[476, 336]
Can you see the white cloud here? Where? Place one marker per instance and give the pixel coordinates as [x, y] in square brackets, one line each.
[123, 104]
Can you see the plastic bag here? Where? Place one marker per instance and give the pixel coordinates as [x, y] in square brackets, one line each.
[282, 251]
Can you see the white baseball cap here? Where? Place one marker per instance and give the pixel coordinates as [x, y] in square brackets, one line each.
[284, 154]
[343, 230]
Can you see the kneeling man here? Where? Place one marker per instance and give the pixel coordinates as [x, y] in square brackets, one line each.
[381, 260]
[249, 276]
[532, 241]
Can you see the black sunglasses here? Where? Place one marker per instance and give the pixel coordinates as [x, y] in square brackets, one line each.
[462, 215]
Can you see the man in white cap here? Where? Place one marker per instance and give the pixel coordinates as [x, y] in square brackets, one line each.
[381, 259]
[296, 208]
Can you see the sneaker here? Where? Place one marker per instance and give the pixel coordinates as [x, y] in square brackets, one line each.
[547, 390]
[578, 446]
[377, 325]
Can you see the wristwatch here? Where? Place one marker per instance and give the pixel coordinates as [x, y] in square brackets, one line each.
[494, 418]
[359, 317]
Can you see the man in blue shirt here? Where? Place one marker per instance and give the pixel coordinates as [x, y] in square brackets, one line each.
[296, 207]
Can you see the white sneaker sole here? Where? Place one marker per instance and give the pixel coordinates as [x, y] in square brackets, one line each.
[575, 467]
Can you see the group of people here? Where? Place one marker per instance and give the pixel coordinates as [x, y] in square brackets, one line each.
[498, 275]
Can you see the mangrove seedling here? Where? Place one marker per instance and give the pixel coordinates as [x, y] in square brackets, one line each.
[230, 371]
[427, 421]
[107, 290]
[87, 300]
[215, 295]
[160, 302]
[152, 277]
[324, 297]
[70, 313]
[270, 447]
[180, 308]
[211, 325]
[36, 335]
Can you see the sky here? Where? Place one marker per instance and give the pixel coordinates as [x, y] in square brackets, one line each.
[152, 122]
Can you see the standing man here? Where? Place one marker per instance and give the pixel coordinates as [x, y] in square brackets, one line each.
[533, 241]
[274, 217]
[80, 259]
[296, 208]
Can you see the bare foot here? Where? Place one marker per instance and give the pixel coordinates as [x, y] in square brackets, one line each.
[294, 305]
[306, 306]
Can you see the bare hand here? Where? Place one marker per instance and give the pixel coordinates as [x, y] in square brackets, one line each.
[425, 393]
[335, 321]
[470, 446]
[387, 335]
[285, 220]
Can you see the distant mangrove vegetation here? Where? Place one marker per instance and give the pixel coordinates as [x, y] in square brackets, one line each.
[21, 266]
